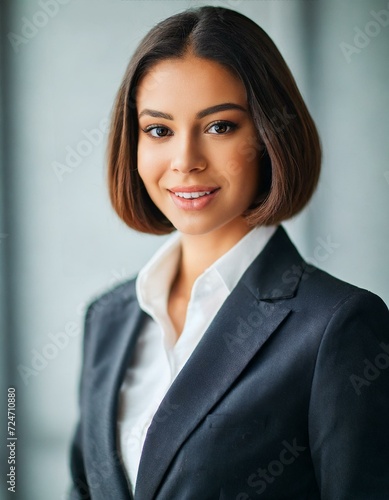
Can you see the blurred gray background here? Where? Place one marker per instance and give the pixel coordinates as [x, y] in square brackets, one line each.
[61, 243]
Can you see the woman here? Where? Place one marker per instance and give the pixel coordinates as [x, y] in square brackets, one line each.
[228, 368]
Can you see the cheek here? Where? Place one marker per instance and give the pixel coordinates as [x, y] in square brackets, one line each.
[144, 155]
[242, 171]
[247, 180]
[149, 166]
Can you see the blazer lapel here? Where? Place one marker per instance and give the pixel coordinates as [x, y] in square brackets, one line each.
[247, 318]
[124, 323]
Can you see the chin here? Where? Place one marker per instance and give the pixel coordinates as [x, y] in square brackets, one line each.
[191, 229]
[198, 228]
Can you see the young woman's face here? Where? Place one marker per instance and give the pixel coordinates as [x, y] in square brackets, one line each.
[196, 136]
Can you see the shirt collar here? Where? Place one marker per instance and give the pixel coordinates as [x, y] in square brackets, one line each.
[233, 263]
[155, 278]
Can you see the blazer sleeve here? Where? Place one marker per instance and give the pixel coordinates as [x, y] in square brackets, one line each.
[349, 403]
[79, 487]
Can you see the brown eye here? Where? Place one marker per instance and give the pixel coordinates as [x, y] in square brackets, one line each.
[221, 128]
[156, 131]
[161, 131]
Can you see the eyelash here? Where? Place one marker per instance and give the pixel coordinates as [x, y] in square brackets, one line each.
[232, 126]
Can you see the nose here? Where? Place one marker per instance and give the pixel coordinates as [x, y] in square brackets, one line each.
[188, 156]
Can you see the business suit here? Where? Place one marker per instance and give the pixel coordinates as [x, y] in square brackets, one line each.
[276, 402]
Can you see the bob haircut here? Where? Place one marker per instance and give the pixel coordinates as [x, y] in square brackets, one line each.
[287, 136]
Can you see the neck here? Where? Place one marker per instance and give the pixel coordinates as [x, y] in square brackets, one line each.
[198, 252]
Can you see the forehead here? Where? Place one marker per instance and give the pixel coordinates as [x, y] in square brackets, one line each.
[190, 82]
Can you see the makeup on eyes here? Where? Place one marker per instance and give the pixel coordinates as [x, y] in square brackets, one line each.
[223, 123]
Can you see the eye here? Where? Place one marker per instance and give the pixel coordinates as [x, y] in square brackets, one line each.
[222, 127]
[157, 131]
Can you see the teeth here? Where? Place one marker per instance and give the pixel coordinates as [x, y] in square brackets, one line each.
[192, 195]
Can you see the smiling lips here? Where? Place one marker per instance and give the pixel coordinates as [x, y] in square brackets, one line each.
[193, 197]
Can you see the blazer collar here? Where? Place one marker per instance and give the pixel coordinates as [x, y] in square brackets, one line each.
[276, 272]
[225, 349]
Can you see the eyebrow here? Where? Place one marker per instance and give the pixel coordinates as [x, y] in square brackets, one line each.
[201, 114]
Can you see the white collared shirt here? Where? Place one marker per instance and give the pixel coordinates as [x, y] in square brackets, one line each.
[158, 356]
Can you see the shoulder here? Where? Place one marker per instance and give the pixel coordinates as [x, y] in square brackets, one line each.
[344, 324]
[112, 299]
[280, 272]
[321, 290]
[309, 283]
[322, 303]
[106, 313]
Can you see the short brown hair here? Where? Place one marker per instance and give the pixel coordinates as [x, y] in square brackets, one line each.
[291, 156]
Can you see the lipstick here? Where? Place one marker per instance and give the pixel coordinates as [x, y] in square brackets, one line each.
[193, 197]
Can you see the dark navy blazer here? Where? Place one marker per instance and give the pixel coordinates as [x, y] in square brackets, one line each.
[286, 396]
